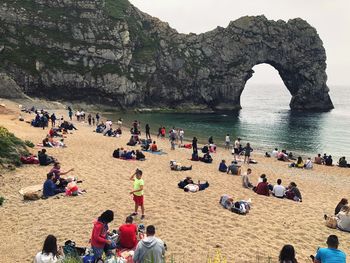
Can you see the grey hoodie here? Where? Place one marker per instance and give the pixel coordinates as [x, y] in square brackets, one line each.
[149, 250]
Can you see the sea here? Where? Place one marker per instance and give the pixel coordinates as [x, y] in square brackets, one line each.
[265, 121]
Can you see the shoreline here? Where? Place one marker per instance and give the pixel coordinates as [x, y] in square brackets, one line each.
[206, 224]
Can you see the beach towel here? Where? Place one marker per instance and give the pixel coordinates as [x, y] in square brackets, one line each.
[32, 193]
[157, 153]
[125, 254]
[42, 146]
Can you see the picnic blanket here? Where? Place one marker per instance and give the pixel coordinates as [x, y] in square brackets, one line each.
[160, 152]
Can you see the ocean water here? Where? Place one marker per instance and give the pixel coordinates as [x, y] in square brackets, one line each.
[266, 122]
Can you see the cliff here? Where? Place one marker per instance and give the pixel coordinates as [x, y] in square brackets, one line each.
[109, 52]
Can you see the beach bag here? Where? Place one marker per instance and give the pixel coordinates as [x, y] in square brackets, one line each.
[32, 196]
[331, 222]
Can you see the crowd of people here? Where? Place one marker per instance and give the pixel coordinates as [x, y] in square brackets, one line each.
[129, 235]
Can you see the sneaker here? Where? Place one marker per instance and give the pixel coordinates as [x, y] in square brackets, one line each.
[142, 217]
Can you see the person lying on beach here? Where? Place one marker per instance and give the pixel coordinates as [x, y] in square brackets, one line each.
[206, 158]
[196, 187]
[245, 179]
[341, 220]
[293, 193]
[100, 127]
[318, 159]
[175, 166]
[184, 182]
[116, 153]
[127, 155]
[44, 159]
[68, 126]
[340, 205]
[223, 167]
[50, 188]
[53, 132]
[263, 188]
[240, 207]
[47, 143]
[343, 163]
[278, 189]
[140, 156]
[234, 168]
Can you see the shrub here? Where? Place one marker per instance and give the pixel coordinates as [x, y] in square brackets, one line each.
[29, 144]
[71, 260]
[11, 148]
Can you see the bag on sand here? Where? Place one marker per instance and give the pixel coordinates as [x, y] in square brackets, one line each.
[32, 196]
[331, 222]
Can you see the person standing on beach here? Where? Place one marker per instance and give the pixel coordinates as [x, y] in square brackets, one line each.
[227, 141]
[138, 193]
[247, 150]
[148, 134]
[70, 114]
[236, 148]
[159, 132]
[53, 120]
[194, 144]
[89, 119]
[97, 118]
[181, 136]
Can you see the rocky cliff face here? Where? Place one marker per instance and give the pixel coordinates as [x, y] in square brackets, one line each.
[107, 51]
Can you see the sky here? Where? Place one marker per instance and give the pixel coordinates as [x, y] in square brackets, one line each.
[331, 18]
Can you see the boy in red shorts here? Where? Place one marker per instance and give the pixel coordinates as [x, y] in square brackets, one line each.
[138, 192]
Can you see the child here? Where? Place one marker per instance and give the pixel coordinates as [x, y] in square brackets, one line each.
[138, 192]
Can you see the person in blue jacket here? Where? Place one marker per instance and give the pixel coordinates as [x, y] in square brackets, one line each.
[49, 188]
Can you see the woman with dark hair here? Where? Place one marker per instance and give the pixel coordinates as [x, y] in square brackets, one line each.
[287, 255]
[342, 203]
[99, 240]
[50, 253]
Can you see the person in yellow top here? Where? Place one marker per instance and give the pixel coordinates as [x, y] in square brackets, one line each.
[138, 192]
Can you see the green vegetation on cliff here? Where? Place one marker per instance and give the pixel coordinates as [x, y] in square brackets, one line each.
[11, 148]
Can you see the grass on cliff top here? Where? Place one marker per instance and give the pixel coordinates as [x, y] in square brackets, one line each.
[11, 148]
[116, 8]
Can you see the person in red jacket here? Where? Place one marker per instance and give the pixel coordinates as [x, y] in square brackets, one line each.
[127, 234]
[99, 241]
[263, 188]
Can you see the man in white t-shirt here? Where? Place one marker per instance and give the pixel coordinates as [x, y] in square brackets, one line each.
[274, 153]
[236, 148]
[227, 141]
[279, 190]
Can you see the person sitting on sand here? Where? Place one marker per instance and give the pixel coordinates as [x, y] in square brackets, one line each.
[342, 219]
[132, 141]
[279, 190]
[196, 187]
[184, 182]
[205, 149]
[318, 159]
[128, 234]
[56, 170]
[223, 167]
[282, 156]
[175, 166]
[343, 163]
[241, 207]
[263, 188]
[72, 188]
[47, 143]
[340, 205]
[150, 249]
[328, 161]
[154, 147]
[299, 163]
[99, 241]
[245, 179]
[44, 159]
[287, 255]
[50, 253]
[331, 253]
[293, 193]
[308, 164]
[234, 168]
[50, 188]
[140, 156]
[274, 153]
[206, 158]
[116, 153]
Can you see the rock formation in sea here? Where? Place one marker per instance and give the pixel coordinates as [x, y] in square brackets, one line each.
[109, 52]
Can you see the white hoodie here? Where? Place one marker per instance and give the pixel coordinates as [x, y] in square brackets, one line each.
[45, 258]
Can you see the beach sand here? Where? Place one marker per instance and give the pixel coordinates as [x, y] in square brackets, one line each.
[191, 224]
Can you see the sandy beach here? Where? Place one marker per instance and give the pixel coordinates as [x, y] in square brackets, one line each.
[193, 225]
